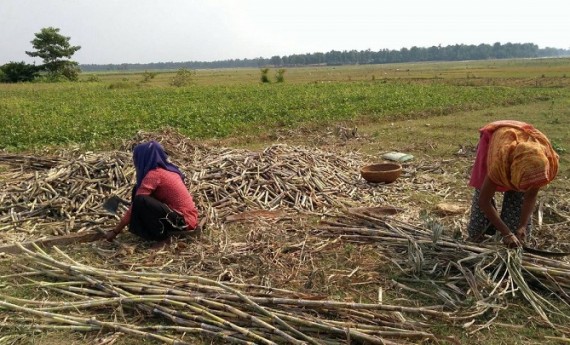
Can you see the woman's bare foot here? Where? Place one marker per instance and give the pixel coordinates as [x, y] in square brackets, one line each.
[161, 244]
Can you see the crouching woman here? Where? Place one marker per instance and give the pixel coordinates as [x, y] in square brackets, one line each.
[161, 202]
[515, 158]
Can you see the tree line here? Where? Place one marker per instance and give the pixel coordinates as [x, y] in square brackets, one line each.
[457, 52]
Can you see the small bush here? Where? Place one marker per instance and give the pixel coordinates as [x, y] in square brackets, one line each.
[93, 78]
[70, 71]
[279, 75]
[147, 76]
[60, 71]
[182, 78]
[15, 72]
[264, 77]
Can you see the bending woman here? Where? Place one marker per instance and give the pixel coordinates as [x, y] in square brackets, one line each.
[515, 158]
[160, 201]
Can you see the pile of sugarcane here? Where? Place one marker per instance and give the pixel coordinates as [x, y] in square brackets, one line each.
[455, 272]
[228, 181]
[42, 196]
[59, 195]
[175, 308]
[279, 177]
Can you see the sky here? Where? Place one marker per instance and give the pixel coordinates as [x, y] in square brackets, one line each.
[144, 31]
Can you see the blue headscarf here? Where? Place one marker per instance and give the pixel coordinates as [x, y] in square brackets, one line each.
[148, 156]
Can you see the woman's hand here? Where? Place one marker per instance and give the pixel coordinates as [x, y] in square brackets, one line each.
[110, 235]
[521, 234]
[511, 241]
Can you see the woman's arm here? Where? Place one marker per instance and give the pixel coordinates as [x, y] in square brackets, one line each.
[111, 234]
[148, 185]
[486, 205]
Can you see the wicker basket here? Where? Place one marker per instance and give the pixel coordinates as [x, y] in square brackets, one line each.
[383, 172]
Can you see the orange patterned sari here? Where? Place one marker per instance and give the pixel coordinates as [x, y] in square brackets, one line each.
[519, 156]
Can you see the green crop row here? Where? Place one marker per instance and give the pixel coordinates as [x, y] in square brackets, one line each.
[36, 115]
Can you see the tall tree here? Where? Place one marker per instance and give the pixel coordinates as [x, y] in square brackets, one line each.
[55, 50]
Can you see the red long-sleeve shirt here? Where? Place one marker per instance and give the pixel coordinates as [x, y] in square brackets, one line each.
[168, 188]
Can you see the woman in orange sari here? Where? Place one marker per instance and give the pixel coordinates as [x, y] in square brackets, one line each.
[515, 158]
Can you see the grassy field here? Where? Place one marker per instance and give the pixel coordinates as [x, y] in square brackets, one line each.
[221, 104]
[431, 110]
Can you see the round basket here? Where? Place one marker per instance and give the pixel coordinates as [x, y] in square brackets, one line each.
[383, 172]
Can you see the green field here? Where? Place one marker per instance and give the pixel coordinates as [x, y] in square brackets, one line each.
[220, 104]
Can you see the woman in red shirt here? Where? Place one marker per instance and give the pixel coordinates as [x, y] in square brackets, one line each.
[161, 202]
[515, 158]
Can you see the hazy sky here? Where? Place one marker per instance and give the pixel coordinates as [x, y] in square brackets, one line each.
[117, 31]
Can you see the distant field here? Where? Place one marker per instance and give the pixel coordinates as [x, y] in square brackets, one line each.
[496, 69]
[222, 103]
